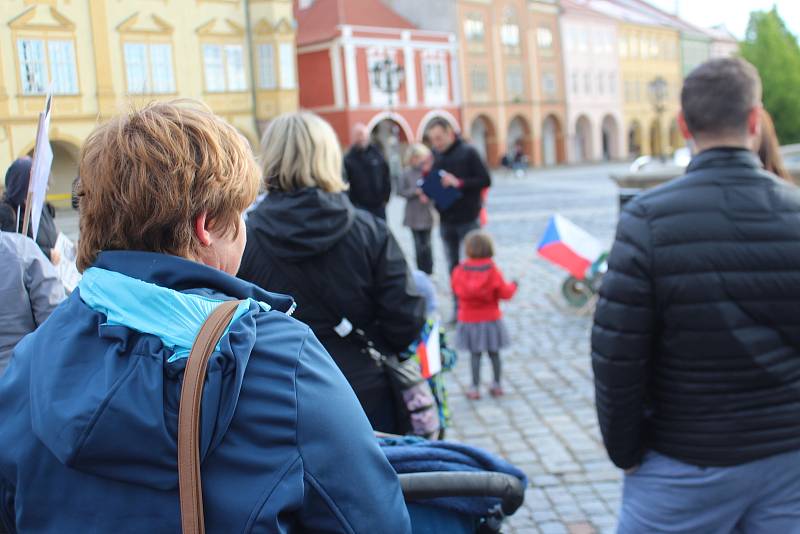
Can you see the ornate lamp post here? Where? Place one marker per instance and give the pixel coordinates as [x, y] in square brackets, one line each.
[657, 92]
[388, 76]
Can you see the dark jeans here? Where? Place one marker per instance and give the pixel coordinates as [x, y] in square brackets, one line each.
[452, 236]
[476, 367]
[423, 250]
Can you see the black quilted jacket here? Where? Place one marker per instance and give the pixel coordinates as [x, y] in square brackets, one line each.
[696, 339]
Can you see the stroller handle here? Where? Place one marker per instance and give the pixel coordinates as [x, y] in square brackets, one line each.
[431, 485]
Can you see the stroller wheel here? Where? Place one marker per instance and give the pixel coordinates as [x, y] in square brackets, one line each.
[576, 292]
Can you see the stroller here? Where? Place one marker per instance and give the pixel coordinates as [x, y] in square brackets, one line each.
[453, 488]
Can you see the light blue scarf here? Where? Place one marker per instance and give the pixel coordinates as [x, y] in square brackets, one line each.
[174, 317]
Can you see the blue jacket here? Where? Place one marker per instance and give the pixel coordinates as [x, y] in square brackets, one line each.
[89, 409]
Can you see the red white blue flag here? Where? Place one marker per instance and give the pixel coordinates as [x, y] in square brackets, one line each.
[429, 353]
[569, 246]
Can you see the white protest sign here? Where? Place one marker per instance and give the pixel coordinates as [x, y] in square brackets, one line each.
[40, 170]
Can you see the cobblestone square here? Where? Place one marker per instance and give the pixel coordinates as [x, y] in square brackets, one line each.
[546, 422]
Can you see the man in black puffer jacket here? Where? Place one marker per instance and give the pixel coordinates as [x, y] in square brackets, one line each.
[696, 339]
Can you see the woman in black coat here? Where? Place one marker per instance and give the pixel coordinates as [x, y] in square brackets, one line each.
[307, 240]
[18, 177]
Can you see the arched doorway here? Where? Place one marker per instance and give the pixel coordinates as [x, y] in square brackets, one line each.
[482, 137]
[583, 139]
[635, 139]
[656, 139]
[391, 138]
[675, 138]
[610, 137]
[518, 140]
[424, 124]
[552, 141]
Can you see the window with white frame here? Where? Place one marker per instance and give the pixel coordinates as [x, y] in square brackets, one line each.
[376, 56]
[601, 83]
[474, 29]
[148, 68]
[549, 87]
[576, 83]
[266, 66]
[224, 68]
[479, 79]
[515, 83]
[37, 57]
[544, 38]
[587, 83]
[509, 35]
[623, 48]
[612, 83]
[288, 74]
[434, 78]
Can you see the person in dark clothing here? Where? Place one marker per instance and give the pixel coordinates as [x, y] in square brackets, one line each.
[307, 240]
[463, 169]
[696, 337]
[368, 174]
[18, 178]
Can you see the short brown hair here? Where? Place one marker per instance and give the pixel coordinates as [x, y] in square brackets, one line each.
[718, 96]
[146, 175]
[479, 245]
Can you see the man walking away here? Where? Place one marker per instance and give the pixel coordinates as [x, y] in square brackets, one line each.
[463, 169]
[368, 174]
[696, 339]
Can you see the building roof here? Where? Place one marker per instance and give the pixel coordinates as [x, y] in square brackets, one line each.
[322, 20]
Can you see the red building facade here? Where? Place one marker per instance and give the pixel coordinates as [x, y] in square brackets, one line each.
[339, 44]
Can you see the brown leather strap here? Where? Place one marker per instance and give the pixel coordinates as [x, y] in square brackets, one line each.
[189, 482]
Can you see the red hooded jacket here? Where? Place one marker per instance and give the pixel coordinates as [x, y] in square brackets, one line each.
[479, 287]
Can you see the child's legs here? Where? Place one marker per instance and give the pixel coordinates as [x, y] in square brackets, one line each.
[476, 369]
[497, 368]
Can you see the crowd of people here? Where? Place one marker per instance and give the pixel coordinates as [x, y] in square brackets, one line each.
[695, 343]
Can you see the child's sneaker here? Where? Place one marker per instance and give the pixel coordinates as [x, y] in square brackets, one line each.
[473, 393]
[496, 390]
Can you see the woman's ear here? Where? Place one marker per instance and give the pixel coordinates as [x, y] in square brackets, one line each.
[201, 230]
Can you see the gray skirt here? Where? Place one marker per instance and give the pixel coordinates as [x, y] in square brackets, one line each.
[482, 337]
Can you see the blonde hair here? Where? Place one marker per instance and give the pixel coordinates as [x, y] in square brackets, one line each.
[146, 175]
[300, 150]
[417, 150]
[479, 245]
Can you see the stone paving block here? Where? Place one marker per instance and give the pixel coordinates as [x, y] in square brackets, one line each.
[553, 528]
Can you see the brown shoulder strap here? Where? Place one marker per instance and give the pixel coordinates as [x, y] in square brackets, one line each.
[189, 482]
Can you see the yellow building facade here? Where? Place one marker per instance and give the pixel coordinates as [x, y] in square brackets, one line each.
[646, 54]
[102, 57]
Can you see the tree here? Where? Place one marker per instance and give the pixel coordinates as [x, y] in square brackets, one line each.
[773, 49]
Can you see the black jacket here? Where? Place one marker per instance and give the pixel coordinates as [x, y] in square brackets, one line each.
[696, 339]
[464, 162]
[369, 178]
[352, 261]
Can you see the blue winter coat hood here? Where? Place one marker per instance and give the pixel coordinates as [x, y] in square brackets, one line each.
[96, 416]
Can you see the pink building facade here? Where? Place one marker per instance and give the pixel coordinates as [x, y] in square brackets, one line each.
[593, 85]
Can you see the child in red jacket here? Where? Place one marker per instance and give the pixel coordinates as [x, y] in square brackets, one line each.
[479, 286]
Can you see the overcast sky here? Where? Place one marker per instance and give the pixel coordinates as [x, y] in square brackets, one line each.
[733, 13]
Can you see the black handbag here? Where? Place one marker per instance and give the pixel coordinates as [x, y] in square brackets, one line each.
[418, 413]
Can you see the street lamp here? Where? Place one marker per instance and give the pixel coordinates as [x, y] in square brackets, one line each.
[387, 76]
[657, 92]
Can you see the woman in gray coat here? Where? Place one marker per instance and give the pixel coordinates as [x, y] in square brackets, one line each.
[30, 289]
[419, 209]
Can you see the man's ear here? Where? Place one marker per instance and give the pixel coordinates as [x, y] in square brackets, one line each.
[201, 230]
[683, 127]
[754, 122]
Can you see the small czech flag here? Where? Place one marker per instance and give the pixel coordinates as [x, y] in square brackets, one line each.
[569, 246]
[429, 353]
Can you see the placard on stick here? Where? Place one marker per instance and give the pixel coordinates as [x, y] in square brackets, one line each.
[40, 170]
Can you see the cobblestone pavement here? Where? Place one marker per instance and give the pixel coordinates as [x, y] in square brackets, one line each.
[546, 422]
